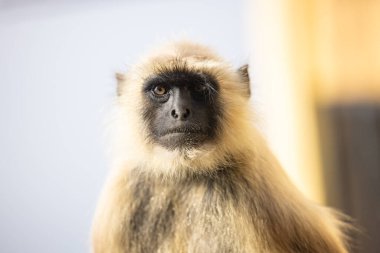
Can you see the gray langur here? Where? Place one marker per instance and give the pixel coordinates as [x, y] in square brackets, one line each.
[192, 174]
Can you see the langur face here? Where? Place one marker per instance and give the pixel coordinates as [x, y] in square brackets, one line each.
[181, 108]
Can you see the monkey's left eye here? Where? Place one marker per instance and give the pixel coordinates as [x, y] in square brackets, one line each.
[200, 88]
[160, 90]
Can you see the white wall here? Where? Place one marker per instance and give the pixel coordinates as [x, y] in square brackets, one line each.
[57, 65]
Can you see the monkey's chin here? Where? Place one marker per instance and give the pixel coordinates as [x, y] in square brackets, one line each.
[182, 140]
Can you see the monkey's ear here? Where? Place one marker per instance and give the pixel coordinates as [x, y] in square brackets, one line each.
[120, 78]
[244, 75]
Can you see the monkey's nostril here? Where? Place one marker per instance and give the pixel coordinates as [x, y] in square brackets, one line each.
[186, 114]
[174, 114]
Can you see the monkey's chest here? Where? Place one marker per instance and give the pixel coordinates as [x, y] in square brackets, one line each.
[200, 216]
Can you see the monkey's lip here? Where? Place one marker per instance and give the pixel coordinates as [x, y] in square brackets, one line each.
[184, 130]
[183, 136]
[187, 135]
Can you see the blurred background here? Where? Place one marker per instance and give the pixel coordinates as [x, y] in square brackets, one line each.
[315, 71]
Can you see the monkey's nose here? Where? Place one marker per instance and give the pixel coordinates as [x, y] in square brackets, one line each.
[180, 114]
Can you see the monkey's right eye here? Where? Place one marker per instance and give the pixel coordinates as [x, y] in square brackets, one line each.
[160, 90]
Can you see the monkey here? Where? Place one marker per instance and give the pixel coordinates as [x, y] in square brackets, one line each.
[191, 172]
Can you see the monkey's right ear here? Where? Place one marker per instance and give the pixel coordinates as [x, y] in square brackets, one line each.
[120, 82]
[244, 75]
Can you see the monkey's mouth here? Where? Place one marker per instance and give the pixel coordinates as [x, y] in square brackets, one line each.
[184, 130]
[183, 137]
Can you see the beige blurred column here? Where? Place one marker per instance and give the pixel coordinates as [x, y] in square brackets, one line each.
[304, 53]
[347, 50]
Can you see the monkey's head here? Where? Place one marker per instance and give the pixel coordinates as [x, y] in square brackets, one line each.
[182, 107]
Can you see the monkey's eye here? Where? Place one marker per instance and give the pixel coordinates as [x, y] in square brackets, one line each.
[160, 90]
[200, 88]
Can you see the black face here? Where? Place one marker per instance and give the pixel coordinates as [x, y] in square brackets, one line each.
[182, 108]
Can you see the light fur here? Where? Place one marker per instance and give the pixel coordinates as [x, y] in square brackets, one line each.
[277, 219]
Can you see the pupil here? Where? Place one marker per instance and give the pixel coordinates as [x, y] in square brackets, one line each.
[160, 90]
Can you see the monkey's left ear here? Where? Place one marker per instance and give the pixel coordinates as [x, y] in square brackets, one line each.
[244, 75]
[120, 82]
